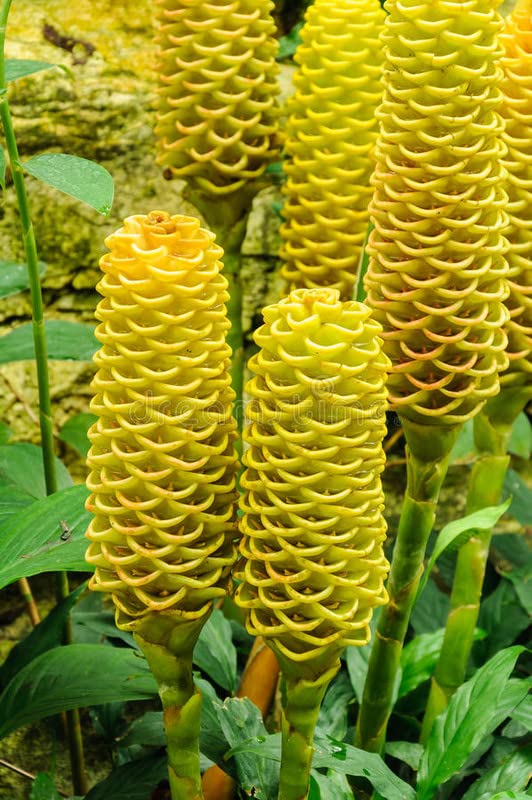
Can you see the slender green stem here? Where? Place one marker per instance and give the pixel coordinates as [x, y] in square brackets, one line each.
[492, 431]
[428, 454]
[301, 707]
[79, 779]
[168, 644]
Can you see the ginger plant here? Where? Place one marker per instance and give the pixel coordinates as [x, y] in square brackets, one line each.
[162, 461]
[330, 134]
[493, 423]
[437, 275]
[312, 566]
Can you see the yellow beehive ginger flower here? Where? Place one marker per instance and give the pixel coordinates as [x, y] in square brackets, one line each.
[162, 461]
[437, 273]
[217, 110]
[312, 566]
[517, 112]
[330, 135]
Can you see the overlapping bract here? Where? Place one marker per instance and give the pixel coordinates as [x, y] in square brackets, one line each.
[162, 461]
[330, 134]
[436, 279]
[217, 111]
[312, 566]
[517, 112]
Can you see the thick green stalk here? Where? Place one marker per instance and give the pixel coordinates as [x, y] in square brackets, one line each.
[79, 779]
[168, 644]
[492, 431]
[428, 452]
[301, 708]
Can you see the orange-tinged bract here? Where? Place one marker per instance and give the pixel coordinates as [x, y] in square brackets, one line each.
[312, 566]
[162, 462]
[517, 112]
[437, 273]
[330, 135]
[217, 110]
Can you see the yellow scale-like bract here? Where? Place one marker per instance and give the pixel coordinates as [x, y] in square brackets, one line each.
[437, 273]
[217, 111]
[330, 134]
[162, 462]
[517, 111]
[312, 566]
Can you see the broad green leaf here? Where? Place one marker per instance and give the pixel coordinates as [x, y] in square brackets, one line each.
[14, 276]
[471, 715]
[45, 636]
[5, 433]
[94, 623]
[520, 443]
[332, 720]
[3, 165]
[78, 177]
[457, 532]
[288, 44]
[333, 786]
[513, 773]
[31, 543]
[135, 780]
[409, 752]
[521, 494]
[43, 788]
[66, 341]
[12, 501]
[213, 743]
[241, 720]
[430, 609]
[523, 712]
[146, 731]
[74, 432]
[21, 466]
[511, 796]
[419, 658]
[21, 67]
[73, 676]
[356, 659]
[215, 652]
[363, 264]
[503, 618]
[464, 448]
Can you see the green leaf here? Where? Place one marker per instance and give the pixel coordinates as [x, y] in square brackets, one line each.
[522, 713]
[94, 623]
[73, 676]
[408, 752]
[510, 796]
[464, 448]
[135, 780]
[419, 658]
[147, 731]
[3, 165]
[333, 786]
[43, 788]
[288, 44]
[213, 743]
[5, 433]
[513, 773]
[363, 264]
[471, 715]
[503, 618]
[430, 609]
[78, 177]
[335, 707]
[215, 652]
[66, 341]
[520, 443]
[74, 432]
[45, 636]
[521, 506]
[14, 276]
[21, 67]
[12, 501]
[241, 720]
[459, 531]
[21, 466]
[31, 543]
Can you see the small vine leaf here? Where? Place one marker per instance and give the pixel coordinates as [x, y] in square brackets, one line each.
[78, 177]
[456, 533]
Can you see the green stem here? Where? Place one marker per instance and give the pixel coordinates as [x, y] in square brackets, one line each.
[168, 644]
[492, 431]
[428, 454]
[79, 779]
[301, 707]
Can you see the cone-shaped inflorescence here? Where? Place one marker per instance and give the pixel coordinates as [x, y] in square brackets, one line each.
[330, 134]
[517, 112]
[437, 274]
[312, 566]
[436, 278]
[216, 110]
[162, 462]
